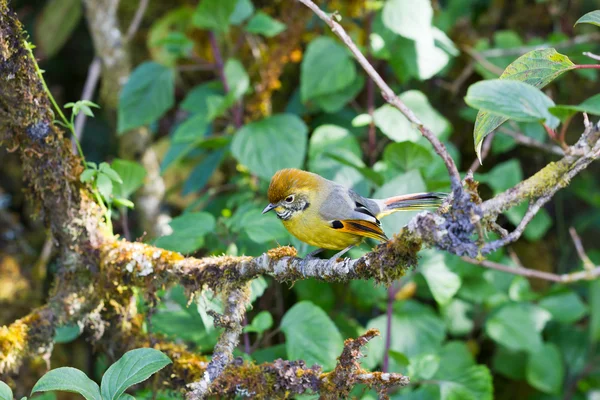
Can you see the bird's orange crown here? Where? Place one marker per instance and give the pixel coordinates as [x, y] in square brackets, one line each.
[288, 181]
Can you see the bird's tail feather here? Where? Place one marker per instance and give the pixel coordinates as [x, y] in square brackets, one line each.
[410, 202]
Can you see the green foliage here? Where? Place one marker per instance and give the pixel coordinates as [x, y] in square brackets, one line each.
[5, 392]
[68, 379]
[215, 14]
[264, 25]
[593, 17]
[188, 232]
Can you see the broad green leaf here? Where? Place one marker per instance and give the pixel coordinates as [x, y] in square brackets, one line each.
[104, 185]
[200, 175]
[408, 18]
[443, 283]
[271, 144]
[242, 11]
[147, 95]
[329, 140]
[407, 155]
[214, 14]
[594, 293]
[237, 78]
[111, 173]
[87, 175]
[320, 293]
[409, 182]
[327, 67]
[192, 129]
[68, 379]
[66, 333]
[472, 383]
[516, 327]
[264, 25]
[367, 172]
[593, 17]
[311, 335]
[566, 307]
[134, 367]
[590, 106]
[262, 228]
[545, 370]
[257, 288]
[537, 68]
[423, 366]
[188, 234]
[269, 354]
[457, 316]
[503, 176]
[205, 99]
[132, 175]
[510, 363]
[260, 323]
[334, 102]
[183, 325]
[513, 100]
[395, 125]
[59, 17]
[5, 392]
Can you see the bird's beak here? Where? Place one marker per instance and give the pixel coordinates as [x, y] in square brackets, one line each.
[269, 208]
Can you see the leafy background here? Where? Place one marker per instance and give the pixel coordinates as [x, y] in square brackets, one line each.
[289, 94]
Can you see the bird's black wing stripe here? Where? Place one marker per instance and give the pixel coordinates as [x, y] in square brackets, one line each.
[363, 227]
[361, 208]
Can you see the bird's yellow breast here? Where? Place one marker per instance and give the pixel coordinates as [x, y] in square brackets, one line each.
[310, 227]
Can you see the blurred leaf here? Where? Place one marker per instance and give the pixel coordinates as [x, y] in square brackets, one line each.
[147, 95]
[411, 19]
[263, 24]
[271, 144]
[594, 295]
[104, 185]
[214, 14]
[134, 367]
[510, 363]
[132, 175]
[111, 173]
[68, 379]
[320, 293]
[593, 17]
[423, 366]
[365, 171]
[200, 175]
[513, 100]
[537, 68]
[565, 307]
[334, 102]
[257, 288]
[177, 20]
[503, 176]
[66, 333]
[183, 325]
[262, 228]
[177, 44]
[188, 234]
[311, 335]
[5, 392]
[573, 344]
[472, 383]
[407, 155]
[60, 17]
[237, 78]
[270, 354]
[516, 326]
[204, 99]
[442, 282]
[395, 125]
[457, 317]
[545, 369]
[260, 323]
[191, 129]
[590, 106]
[242, 11]
[327, 67]
[537, 227]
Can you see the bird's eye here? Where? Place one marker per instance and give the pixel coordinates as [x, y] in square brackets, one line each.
[289, 199]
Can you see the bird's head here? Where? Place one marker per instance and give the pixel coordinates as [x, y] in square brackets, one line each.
[290, 192]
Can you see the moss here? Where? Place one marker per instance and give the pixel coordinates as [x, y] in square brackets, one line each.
[281, 252]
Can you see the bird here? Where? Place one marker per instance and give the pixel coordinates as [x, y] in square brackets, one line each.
[330, 216]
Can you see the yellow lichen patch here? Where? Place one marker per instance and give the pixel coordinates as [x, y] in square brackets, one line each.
[13, 343]
[282, 251]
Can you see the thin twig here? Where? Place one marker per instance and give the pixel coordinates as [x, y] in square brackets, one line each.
[591, 55]
[527, 141]
[587, 262]
[387, 93]
[137, 19]
[494, 69]
[485, 150]
[89, 88]
[517, 51]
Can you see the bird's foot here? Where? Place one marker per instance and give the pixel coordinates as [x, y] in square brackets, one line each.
[340, 253]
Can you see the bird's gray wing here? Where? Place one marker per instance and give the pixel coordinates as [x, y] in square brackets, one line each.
[343, 203]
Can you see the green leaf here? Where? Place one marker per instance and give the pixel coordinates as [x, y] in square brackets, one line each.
[395, 125]
[367, 172]
[134, 367]
[423, 366]
[262, 228]
[260, 323]
[594, 294]
[188, 234]
[237, 78]
[214, 14]
[311, 335]
[545, 370]
[60, 17]
[122, 202]
[192, 129]
[442, 282]
[407, 155]
[516, 327]
[411, 19]
[472, 383]
[263, 24]
[257, 288]
[5, 392]
[243, 10]
[593, 17]
[147, 95]
[566, 307]
[271, 144]
[132, 175]
[327, 67]
[104, 185]
[334, 102]
[457, 316]
[509, 363]
[111, 173]
[68, 379]
[66, 333]
[200, 175]
[503, 176]
[513, 100]
[590, 106]
[87, 175]
[537, 68]
[205, 99]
